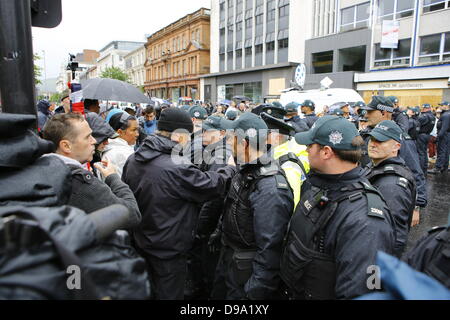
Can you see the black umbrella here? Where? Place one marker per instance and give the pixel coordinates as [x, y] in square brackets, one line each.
[111, 89]
[241, 98]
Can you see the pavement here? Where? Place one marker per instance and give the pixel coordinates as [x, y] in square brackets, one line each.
[437, 212]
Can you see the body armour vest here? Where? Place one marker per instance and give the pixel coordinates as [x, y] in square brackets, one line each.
[307, 269]
[406, 180]
[238, 216]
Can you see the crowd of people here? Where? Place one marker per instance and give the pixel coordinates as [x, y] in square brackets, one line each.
[262, 202]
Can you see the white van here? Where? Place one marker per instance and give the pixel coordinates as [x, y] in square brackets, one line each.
[321, 98]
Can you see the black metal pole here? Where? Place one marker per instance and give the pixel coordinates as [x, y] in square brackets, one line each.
[16, 58]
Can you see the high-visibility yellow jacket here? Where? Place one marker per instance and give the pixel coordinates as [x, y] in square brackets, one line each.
[294, 173]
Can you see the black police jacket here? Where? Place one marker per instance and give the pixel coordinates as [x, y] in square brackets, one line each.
[397, 185]
[414, 128]
[310, 119]
[352, 237]
[298, 124]
[443, 124]
[169, 191]
[408, 152]
[431, 255]
[215, 157]
[401, 119]
[427, 121]
[257, 212]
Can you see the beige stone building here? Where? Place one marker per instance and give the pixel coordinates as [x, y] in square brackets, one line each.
[177, 56]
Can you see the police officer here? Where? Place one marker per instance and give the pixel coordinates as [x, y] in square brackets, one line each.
[414, 124]
[198, 115]
[398, 115]
[308, 108]
[257, 211]
[427, 122]
[378, 110]
[341, 222]
[443, 140]
[292, 118]
[204, 255]
[430, 255]
[292, 157]
[392, 178]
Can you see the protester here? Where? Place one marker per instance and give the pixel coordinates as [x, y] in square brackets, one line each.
[44, 113]
[75, 146]
[91, 105]
[148, 120]
[169, 191]
[443, 141]
[119, 149]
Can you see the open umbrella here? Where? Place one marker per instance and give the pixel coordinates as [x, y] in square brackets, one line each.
[111, 89]
[241, 98]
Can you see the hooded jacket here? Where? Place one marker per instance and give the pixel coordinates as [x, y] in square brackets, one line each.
[118, 151]
[169, 193]
[43, 113]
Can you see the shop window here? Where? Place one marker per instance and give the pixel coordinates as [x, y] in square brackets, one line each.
[355, 17]
[433, 5]
[393, 57]
[322, 62]
[435, 48]
[395, 9]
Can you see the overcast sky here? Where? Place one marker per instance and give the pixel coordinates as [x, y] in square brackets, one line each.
[92, 24]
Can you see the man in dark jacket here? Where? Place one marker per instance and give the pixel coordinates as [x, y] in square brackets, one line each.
[293, 119]
[75, 146]
[378, 110]
[44, 113]
[341, 221]
[308, 108]
[256, 215]
[392, 178]
[427, 121]
[169, 190]
[443, 141]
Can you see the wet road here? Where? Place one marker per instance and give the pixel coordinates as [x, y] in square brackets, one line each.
[436, 214]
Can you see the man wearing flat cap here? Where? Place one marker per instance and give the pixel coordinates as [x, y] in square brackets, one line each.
[341, 221]
[169, 189]
[393, 178]
[257, 210]
[381, 109]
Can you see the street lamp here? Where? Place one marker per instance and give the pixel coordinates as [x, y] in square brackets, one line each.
[45, 69]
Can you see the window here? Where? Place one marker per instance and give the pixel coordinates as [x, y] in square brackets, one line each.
[355, 17]
[284, 11]
[433, 5]
[248, 51]
[248, 23]
[283, 43]
[271, 10]
[259, 48]
[395, 9]
[393, 57]
[239, 53]
[259, 19]
[322, 62]
[435, 48]
[239, 26]
[270, 46]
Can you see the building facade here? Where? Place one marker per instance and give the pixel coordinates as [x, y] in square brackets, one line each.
[177, 56]
[113, 54]
[346, 45]
[255, 47]
[134, 66]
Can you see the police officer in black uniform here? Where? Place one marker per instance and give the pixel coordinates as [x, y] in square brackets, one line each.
[293, 119]
[414, 124]
[257, 211]
[308, 108]
[443, 140]
[378, 110]
[206, 248]
[427, 122]
[341, 221]
[398, 115]
[431, 255]
[392, 178]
